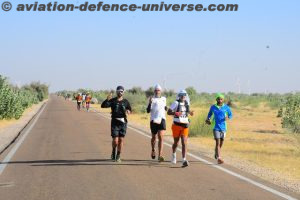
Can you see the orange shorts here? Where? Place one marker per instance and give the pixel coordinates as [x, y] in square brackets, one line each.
[179, 131]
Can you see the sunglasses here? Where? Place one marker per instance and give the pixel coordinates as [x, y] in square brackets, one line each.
[120, 91]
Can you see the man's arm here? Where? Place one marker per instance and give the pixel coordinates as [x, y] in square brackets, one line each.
[107, 102]
[149, 105]
[209, 116]
[128, 107]
[229, 113]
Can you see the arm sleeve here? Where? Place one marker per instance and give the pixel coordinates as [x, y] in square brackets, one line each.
[173, 106]
[229, 113]
[209, 113]
[128, 107]
[149, 108]
[106, 104]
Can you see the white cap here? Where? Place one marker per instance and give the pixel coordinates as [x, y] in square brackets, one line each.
[157, 87]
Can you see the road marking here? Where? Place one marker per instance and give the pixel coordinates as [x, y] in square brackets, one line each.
[273, 191]
[12, 152]
[9, 184]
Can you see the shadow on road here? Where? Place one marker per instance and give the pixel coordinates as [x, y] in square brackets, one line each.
[91, 162]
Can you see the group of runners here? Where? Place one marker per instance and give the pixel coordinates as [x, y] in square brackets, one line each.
[180, 109]
[83, 100]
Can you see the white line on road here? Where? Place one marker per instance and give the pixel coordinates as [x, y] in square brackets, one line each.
[12, 152]
[273, 191]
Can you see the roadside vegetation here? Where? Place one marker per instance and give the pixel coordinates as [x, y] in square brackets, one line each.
[14, 100]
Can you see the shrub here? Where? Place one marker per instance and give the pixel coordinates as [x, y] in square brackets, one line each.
[13, 100]
[199, 128]
[291, 113]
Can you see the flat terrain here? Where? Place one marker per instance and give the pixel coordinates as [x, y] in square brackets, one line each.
[66, 156]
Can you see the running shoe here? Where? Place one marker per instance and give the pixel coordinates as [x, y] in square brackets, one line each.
[216, 156]
[153, 154]
[185, 163]
[118, 158]
[173, 161]
[113, 156]
[220, 161]
[161, 159]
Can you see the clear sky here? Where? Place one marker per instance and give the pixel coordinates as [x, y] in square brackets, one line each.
[211, 51]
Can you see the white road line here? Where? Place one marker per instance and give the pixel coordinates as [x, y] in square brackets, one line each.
[12, 152]
[273, 191]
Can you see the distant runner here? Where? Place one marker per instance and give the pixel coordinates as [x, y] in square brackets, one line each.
[180, 109]
[83, 100]
[88, 99]
[220, 112]
[120, 108]
[157, 107]
[79, 100]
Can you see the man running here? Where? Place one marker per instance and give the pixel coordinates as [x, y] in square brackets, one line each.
[83, 100]
[88, 99]
[120, 108]
[220, 112]
[79, 100]
[180, 109]
[157, 108]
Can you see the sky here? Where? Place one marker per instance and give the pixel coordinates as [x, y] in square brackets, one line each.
[211, 51]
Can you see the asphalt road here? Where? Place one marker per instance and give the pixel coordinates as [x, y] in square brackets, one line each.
[66, 155]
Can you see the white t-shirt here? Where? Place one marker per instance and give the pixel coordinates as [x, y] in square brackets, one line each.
[183, 118]
[158, 111]
[83, 97]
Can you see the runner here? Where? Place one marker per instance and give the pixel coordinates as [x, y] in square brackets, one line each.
[180, 109]
[157, 107]
[83, 100]
[79, 100]
[120, 108]
[220, 112]
[88, 99]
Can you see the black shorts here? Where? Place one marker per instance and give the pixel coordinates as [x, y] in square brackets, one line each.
[78, 103]
[118, 128]
[157, 127]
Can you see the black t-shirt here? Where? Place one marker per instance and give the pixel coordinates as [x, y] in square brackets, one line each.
[118, 108]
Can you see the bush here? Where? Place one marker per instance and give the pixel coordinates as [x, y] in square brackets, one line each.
[291, 113]
[199, 128]
[13, 101]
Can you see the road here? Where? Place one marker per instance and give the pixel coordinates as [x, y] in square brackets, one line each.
[66, 156]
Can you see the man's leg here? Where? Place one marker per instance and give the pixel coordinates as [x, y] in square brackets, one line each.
[160, 142]
[114, 147]
[184, 146]
[120, 144]
[217, 148]
[175, 144]
[153, 141]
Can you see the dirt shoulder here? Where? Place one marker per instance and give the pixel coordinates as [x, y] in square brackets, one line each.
[9, 129]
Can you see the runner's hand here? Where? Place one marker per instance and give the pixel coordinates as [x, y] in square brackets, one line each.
[208, 122]
[128, 112]
[177, 114]
[192, 113]
[109, 97]
[150, 99]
